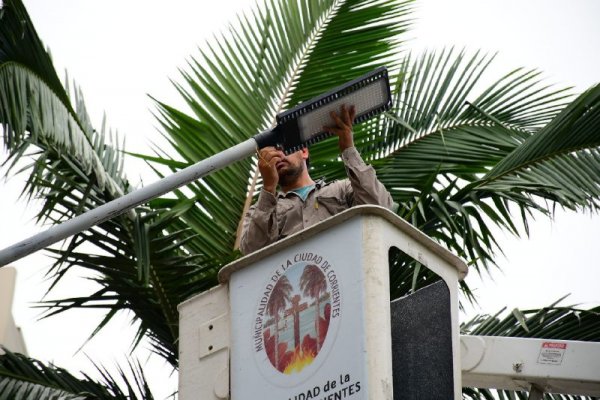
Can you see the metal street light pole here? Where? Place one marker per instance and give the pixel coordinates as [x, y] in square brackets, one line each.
[122, 204]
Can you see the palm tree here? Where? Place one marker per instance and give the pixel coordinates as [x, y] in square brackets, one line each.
[278, 301]
[457, 161]
[313, 284]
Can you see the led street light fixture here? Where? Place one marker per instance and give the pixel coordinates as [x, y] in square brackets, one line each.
[303, 125]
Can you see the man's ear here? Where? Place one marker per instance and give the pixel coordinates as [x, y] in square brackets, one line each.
[305, 153]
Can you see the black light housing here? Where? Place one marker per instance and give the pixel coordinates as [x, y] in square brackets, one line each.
[302, 125]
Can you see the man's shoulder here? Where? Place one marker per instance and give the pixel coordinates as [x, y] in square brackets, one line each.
[338, 186]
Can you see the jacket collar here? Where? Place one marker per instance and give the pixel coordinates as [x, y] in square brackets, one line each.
[318, 185]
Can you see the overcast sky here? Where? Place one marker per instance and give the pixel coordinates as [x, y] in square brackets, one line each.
[120, 51]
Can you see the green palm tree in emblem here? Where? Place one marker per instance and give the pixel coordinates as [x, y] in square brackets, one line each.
[313, 284]
[280, 297]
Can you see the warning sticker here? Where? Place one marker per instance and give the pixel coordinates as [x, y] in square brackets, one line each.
[552, 353]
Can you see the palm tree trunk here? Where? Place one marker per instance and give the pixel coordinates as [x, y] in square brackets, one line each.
[277, 341]
[317, 323]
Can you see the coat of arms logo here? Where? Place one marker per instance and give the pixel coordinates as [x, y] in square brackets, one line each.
[296, 312]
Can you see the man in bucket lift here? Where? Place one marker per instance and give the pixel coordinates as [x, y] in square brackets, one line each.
[302, 202]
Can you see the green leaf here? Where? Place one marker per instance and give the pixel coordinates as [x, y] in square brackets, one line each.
[577, 127]
[23, 378]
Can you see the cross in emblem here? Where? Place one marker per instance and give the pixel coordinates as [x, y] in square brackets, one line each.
[295, 310]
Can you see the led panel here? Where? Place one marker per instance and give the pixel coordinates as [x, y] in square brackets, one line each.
[366, 100]
[303, 125]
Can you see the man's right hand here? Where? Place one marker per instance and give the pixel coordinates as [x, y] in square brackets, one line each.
[268, 158]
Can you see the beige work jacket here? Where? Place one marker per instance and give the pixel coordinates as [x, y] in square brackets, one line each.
[273, 217]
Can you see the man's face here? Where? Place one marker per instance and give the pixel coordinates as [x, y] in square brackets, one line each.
[290, 168]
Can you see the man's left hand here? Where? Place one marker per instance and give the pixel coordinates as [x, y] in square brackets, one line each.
[343, 128]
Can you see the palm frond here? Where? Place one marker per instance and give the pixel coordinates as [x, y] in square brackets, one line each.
[552, 322]
[438, 114]
[569, 179]
[143, 269]
[560, 162]
[35, 108]
[577, 127]
[23, 378]
[20, 43]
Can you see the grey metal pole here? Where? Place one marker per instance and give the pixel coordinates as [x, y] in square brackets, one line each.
[122, 204]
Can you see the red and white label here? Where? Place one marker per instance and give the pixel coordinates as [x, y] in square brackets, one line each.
[552, 353]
